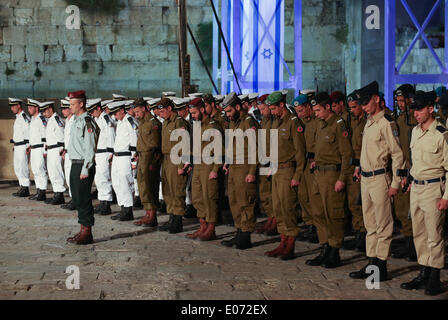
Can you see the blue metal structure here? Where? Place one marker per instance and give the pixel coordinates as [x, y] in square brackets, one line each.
[232, 12]
[392, 75]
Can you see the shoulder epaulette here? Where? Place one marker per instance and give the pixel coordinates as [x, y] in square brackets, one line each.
[153, 119]
[106, 117]
[212, 122]
[389, 117]
[25, 117]
[132, 122]
[341, 122]
[43, 119]
[89, 123]
[441, 129]
[59, 121]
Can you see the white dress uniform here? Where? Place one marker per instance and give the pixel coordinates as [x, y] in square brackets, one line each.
[21, 142]
[55, 143]
[105, 149]
[124, 150]
[67, 161]
[37, 142]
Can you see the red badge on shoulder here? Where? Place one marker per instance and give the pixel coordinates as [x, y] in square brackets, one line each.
[156, 127]
[89, 130]
[345, 134]
[300, 129]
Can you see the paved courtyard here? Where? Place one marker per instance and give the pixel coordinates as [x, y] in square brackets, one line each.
[129, 262]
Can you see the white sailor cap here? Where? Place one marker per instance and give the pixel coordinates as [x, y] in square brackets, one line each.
[32, 103]
[92, 104]
[153, 103]
[14, 101]
[104, 103]
[252, 97]
[243, 98]
[129, 104]
[219, 98]
[168, 94]
[196, 95]
[45, 105]
[147, 98]
[65, 103]
[180, 103]
[115, 106]
[119, 97]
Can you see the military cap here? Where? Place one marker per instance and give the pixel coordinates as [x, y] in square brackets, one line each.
[262, 99]
[105, 103]
[165, 103]
[119, 97]
[153, 103]
[284, 93]
[196, 95]
[381, 95]
[275, 98]
[443, 101]
[219, 98]
[65, 103]
[47, 104]
[404, 90]
[252, 97]
[322, 98]
[140, 102]
[14, 101]
[300, 100]
[168, 94]
[307, 91]
[440, 90]
[243, 98]
[196, 103]
[81, 94]
[32, 103]
[208, 98]
[92, 104]
[337, 96]
[116, 105]
[231, 100]
[421, 99]
[180, 103]
[366, 93]
[147, 98]
[354, 96]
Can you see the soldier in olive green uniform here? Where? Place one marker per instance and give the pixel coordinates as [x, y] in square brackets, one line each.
[429, 195]
[405, 122]
[332, 171]
[149, 142]
[358, 121]
[265, 182]
[174, 176]
[242, 186]
[338, 107]
[310, 201]
[290, 165]
[205, 176]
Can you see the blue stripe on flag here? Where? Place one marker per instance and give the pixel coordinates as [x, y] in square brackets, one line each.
[277, 42]
[255, 67]
[229, 36]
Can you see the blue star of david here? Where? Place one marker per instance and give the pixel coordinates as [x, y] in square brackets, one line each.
[267, 53]
[247, 55]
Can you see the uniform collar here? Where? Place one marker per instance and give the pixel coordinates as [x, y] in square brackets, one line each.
[173, 116]
[377, 117]
[330, 121]
[432, 128]
[19, 114]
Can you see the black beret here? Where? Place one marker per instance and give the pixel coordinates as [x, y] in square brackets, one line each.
[366, 93]
[321, 97]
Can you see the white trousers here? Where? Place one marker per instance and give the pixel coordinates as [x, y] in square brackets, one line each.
[21, 168]
[55, 171]
[123, 180]
[39, 168]
[67, 167]
[103, 181]
[134, 173]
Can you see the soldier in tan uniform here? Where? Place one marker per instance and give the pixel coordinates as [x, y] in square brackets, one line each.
[174, 176]
[205, 177]
[310, 201]
[379, 182]
[290, 166]
[242, 186]
[149, 150]
[429, 195]
[358, 121]
[332, 171]
[265, 182]
[405, 122]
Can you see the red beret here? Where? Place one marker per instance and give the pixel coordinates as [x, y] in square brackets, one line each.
[196, 103]
[337, 96]
[262, 98]
[77, 94]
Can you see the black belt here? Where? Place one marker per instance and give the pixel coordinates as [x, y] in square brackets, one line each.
[76, 161]
[21, 143]
[332, 167]
[310, 155]
[355, 162]
[36, 146]
[132, 148]
[374, 173]
[105, 150]
[422, 182]
[53, 146]
[122, 154]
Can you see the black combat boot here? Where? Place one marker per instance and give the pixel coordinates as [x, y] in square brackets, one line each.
[352, 244]
[58, 198]
[361, 274]
[231, 242]
[419, 282]
[176, 225]
[243, 242]
[105, 209]
[166, 225]
[22, 193]
[138, 203]
[99, 207]
[190, 211]
[320, 259]
[42, 196]
[333, 260]
[34, 196]
[382, 265]
[361, 245]
[312, 235]
[433, 286]
[126, 214]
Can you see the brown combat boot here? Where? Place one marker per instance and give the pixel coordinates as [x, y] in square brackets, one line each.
[265, 227]
[86, 236]
[279, 250]
[75, 237]
[272, 231]
[288, 252]
[209, 233]
[149, 220]
[201, 230]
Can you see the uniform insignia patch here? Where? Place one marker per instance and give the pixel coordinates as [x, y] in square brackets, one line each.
[300, 129]
[89, 130]
[156, 128]
[345, 134]
[106, 117]
[395, 132]
[44, 120]
[59, 121]
[132, 122]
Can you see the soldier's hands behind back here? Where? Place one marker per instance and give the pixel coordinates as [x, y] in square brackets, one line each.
[442, 204]
[392, 192]
[250, 178]
[294, 183]
[339, 186]
[213, 176]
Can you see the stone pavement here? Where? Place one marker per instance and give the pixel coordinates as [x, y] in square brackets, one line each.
[129, 262]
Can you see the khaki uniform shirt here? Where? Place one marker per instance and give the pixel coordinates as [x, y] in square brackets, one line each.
[169, 125]
[333, 146]
[205, 125]
[311, 125]
[380, 146]
[219, 119]
[149, 134]
[357, 131]
[291, 142]
[430, 153]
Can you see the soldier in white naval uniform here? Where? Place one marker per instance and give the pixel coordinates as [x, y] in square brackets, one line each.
[67, 113]
[38, 127]
[21, 142]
